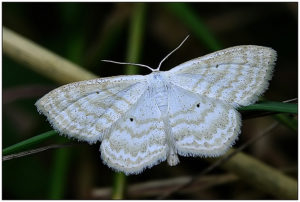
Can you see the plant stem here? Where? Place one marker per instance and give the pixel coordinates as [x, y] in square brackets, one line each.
[119, 186]
[262, 176]
[135, 37]
[133, 53]
[42, 60]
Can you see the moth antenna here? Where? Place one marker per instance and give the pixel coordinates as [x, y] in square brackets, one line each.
[141, 65]
[157, 69]
[128, 63]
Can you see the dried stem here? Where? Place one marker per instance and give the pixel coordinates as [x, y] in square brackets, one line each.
[41, 60]
[158, 187]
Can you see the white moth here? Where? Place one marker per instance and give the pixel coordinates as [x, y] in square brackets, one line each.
[141, 121]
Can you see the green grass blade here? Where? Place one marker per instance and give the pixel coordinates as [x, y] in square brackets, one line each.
[135, 38]
[59, 172]
[74, 45]
[28, 143]
[133, 54]
[119, 186]
[272, 106]
[194, 23]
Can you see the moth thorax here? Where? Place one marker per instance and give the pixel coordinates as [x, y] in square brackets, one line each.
[160, 91]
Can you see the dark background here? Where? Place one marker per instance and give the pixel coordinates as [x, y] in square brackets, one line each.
[88, 32]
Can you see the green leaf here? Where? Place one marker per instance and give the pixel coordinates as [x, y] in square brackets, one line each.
[28, 143]
[272, 106]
